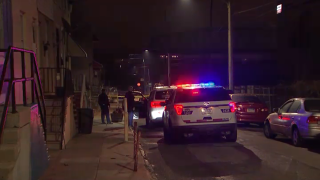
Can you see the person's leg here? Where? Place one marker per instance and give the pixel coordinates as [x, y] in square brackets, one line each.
[108, 117]
[130, 114]
[102, 115]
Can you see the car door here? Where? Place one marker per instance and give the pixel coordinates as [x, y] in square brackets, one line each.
[140, 105]
[291, 117]
[278, 122]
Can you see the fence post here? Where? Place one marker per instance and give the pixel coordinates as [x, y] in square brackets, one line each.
[136, 144]
[126, 126]
[134, 139]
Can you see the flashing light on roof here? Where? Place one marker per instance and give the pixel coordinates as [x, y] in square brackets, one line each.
[201, 85]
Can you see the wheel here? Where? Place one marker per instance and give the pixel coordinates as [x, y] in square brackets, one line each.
[232, 137]
[268, 132]
[296, 138]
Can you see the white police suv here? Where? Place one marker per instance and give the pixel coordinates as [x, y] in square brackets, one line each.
[199, 108]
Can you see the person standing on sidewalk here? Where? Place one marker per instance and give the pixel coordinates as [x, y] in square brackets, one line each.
[103, 101]
[130, 105]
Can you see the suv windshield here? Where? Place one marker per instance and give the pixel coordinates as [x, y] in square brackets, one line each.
[312, 105]
[244, 98]
[161, 95]
[202, 95]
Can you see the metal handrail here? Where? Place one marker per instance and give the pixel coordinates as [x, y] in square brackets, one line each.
[12, 80]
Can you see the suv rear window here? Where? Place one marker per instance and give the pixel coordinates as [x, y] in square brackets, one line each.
[245, 98]
[312, 105]
[161, 95]
[201, 95]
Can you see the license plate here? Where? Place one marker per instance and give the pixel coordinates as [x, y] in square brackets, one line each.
[251, 110]
[206, 110]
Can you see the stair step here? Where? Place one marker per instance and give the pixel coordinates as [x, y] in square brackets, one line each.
[9, 152]
[10, 136]
[6, 170]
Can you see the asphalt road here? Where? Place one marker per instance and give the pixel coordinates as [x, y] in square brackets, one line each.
[252, 157]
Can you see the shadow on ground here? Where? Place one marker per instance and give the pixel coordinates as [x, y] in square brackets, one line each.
[208, 157]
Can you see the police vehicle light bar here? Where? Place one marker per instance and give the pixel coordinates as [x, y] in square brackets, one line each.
[201, 85]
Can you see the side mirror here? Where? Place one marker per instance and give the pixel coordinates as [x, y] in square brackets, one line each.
[163, 103]
[276, 110]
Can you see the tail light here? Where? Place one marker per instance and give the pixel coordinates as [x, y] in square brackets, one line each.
[313, 120]
[156, 104]
[178, 109]
[232, 106]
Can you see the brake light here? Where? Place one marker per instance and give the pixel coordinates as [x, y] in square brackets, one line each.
[232, 106]
[178, 109]
[313, 120]
[156, 104]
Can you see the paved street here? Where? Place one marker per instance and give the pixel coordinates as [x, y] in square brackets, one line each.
[252, 157]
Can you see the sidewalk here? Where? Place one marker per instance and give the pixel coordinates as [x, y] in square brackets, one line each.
[102, 155]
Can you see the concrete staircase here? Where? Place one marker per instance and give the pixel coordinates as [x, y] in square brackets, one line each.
[16, 143]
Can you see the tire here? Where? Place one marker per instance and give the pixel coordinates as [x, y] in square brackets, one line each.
[268, 132]
[296, 137]
[233, 136]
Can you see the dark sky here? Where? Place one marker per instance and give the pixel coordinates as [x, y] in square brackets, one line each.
[124, 25]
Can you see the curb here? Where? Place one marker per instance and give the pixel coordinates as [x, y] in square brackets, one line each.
[147, 164]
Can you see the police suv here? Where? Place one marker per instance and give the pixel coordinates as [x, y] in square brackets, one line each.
[199, 108]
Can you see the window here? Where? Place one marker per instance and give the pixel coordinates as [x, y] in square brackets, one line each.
[162, 95]
[285, 107]
[295, 107]
[312, 105]
[245, 98]
[202, 95]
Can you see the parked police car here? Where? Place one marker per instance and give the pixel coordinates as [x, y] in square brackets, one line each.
[199, 108]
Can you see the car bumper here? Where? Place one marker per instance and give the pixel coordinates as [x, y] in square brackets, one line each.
[251, 118]
[212, 128]
[312, 133]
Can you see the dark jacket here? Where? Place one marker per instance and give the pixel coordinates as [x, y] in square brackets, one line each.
[130, 101]
[103, 100]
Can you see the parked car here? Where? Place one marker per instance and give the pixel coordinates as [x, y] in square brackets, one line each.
[140, 104]
[154, 108]
[298, 119]
[250, 109]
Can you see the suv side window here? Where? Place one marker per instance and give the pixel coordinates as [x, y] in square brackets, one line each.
[295, 107]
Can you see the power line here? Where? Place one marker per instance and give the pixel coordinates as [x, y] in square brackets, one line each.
[254, 8]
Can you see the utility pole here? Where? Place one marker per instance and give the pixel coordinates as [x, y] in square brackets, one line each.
[211, 4]
[169, 69]
[230, 50]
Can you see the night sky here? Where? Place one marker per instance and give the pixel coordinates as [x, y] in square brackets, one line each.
[127, 25]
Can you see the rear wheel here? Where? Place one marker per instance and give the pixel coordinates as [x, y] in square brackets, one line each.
[268, 132]
[232, 137]
[296, 138]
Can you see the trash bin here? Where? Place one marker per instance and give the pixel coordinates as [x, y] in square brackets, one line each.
[85, 120]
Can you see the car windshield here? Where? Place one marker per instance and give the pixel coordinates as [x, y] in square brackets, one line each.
[201, 95]
[244, 98]
[312, 105]
[162, 95]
